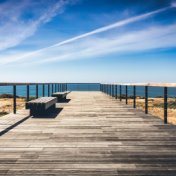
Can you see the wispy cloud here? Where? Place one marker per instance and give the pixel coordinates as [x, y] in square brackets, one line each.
[15, 27]
[173, 4]
[146, 39]
[88, 45]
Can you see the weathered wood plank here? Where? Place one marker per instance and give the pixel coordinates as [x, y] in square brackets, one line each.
[93, 135]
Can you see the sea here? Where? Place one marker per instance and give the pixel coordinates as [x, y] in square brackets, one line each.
[140, 90]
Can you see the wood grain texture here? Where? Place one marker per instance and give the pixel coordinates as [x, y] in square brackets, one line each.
[93, 135]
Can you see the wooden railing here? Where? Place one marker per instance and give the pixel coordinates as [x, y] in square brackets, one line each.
[115, 90]
[51, 87]
[47, 89]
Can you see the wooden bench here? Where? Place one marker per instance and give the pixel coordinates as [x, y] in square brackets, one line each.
[61, 96]
[41, 106]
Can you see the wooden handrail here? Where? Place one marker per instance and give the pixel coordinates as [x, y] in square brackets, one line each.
[147, 84]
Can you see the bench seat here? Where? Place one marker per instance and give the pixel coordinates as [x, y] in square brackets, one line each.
[61, 96]
[41, 106]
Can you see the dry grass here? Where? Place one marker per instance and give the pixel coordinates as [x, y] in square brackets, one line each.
[155, 107]
[6, 105]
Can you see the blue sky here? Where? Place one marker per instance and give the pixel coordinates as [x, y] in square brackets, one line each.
[87, 41]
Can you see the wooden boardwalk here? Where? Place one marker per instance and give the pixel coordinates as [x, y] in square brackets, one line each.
[93, 135]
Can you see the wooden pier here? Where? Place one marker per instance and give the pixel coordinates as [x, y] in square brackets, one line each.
[93, 135]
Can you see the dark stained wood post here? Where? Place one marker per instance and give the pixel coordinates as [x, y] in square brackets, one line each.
[107, 89]
[61, 87]
[14, 99]
[146, 99]
[27, 93]
[36, 90]
[48, 90]
[110, 89]
[57, 87]
[165, 104]
[52, 90]
[126, 90]
[43, 90]
[134, 96]
[113, 90]
[120, 92]
[116, 91]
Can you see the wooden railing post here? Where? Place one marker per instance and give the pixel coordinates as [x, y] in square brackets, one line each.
[65, 87]
[61, 87]
[165, 104]
[116, 91]
[126, 90]
[27, 93]
[55, 88]
[14, 99]
[48, 90]
[107, 89]
[146, 99]
[120, 92]
[113, 90]
[134, 96]
[52, 88]
[36, 90]
[43, 90]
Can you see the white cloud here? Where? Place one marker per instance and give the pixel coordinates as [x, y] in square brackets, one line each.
[15, 28]
[88, 45]
[173, 4]
[136, 41]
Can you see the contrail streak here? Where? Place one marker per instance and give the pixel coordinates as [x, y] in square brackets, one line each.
[99, 30]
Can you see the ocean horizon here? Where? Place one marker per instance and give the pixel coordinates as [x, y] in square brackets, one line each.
[140, 90]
